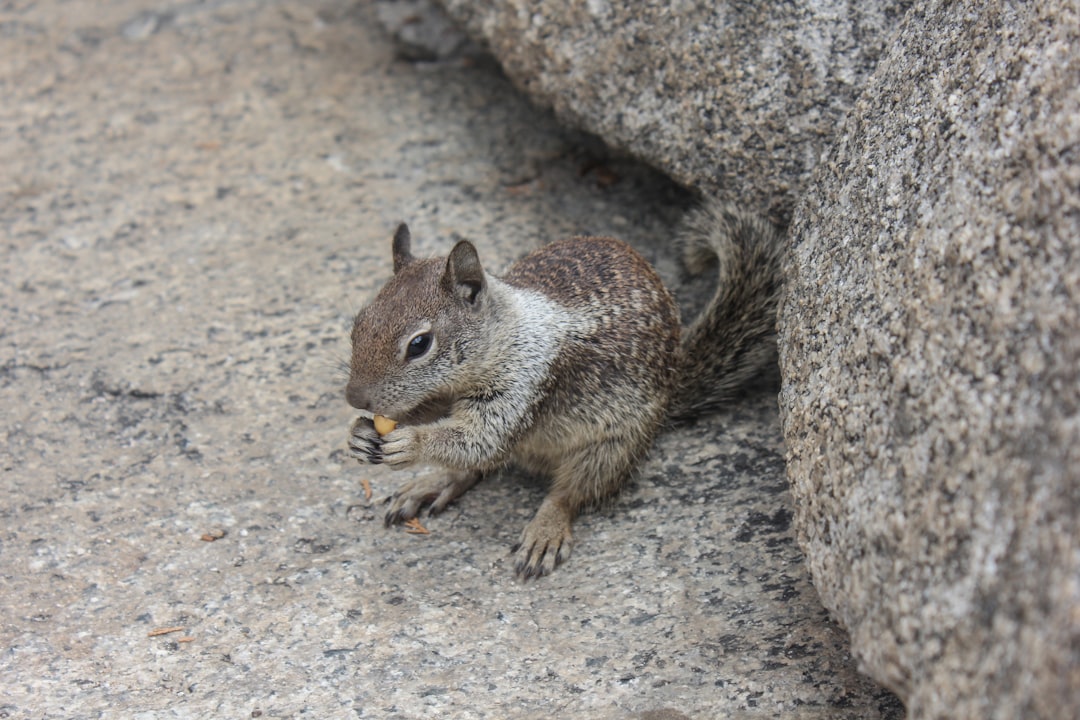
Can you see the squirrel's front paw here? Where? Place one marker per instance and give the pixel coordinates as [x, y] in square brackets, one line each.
[364, 443]
[401, 446]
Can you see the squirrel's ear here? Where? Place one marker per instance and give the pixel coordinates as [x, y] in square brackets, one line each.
[402, 242]
[464, 277]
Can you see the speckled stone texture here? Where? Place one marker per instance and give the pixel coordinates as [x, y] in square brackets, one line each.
[738, 99]
[195, 199]
[931, 354]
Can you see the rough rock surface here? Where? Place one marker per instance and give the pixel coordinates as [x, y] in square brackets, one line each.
[194, 199]
[738, 99]
[931, 355]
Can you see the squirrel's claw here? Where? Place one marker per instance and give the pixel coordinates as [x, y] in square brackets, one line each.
[545, 543]
[538, 559]
[434, 492]
[399, 514]
[364, 443]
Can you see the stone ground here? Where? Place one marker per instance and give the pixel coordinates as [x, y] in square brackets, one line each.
[195, 198]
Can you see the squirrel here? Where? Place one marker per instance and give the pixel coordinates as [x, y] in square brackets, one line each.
[567, 365]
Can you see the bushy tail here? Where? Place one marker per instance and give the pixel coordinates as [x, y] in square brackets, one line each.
[734, 338]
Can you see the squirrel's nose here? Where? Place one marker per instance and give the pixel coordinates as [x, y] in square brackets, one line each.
[357, 397]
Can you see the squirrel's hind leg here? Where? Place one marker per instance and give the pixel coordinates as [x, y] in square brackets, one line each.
[583, 479]
[433, 492]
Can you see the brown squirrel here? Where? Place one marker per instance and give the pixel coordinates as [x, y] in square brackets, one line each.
[568, 365]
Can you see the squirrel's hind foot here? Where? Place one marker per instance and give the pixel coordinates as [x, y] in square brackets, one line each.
[433, 492]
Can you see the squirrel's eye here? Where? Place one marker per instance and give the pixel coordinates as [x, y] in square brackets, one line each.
[418, 346]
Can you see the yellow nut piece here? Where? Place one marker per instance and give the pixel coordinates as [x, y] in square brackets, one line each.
[384, 425]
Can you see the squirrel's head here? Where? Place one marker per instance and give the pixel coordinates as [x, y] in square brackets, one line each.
[409, 345]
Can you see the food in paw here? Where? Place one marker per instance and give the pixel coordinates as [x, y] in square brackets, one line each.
[384, 424]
